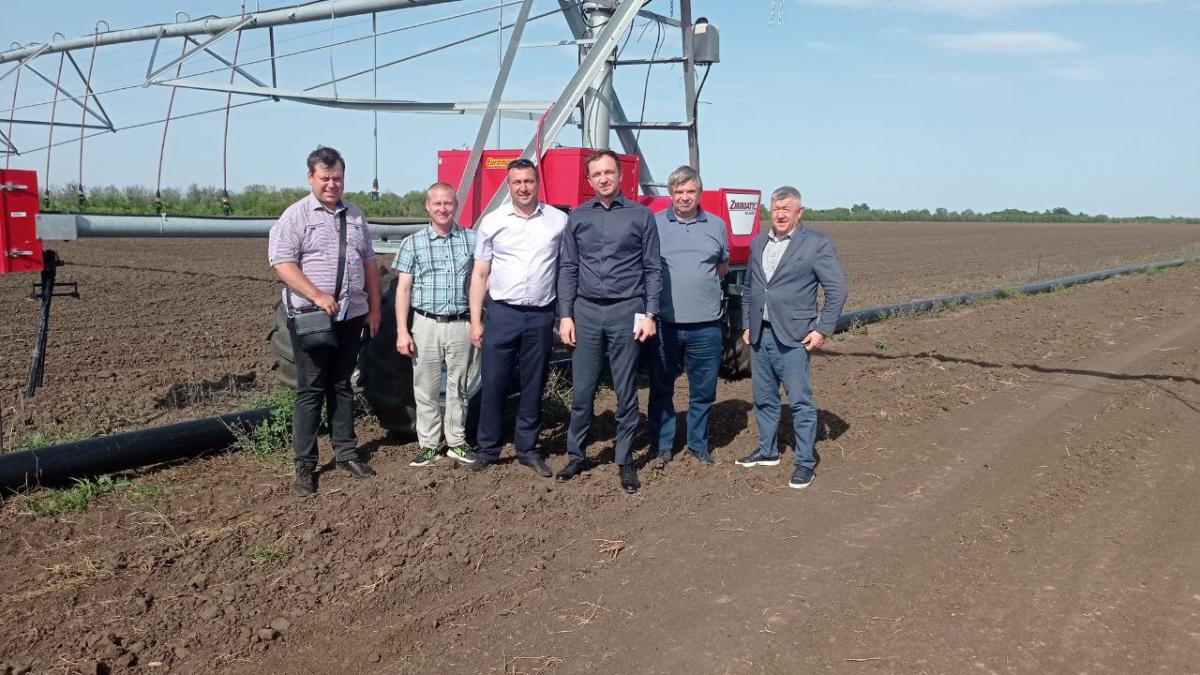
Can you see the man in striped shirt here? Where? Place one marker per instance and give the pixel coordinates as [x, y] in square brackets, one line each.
[304, 247]
[435, 275]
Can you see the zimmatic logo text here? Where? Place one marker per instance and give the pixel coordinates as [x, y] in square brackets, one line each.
[735, 205]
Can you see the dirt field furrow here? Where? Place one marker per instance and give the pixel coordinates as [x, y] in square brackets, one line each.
[1004, 488]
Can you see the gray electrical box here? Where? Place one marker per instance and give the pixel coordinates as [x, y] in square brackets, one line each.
[706, 42]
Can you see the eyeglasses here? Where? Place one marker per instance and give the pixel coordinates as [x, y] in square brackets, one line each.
[521, 163]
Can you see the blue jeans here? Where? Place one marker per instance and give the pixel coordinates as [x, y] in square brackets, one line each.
[697, 348]
[773, 363]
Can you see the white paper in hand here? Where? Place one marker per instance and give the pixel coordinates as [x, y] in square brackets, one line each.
[637, 320]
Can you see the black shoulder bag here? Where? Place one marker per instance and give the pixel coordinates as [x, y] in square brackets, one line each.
[312, 327]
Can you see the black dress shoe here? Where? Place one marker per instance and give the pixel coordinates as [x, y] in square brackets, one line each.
[572, 469]
[537, 464]
[629, 479]
[481, 463]
[305, 483]
[357, 468]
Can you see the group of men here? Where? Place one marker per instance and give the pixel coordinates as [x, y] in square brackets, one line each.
[625, 284]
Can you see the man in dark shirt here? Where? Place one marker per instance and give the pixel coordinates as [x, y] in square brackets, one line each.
[609, 283]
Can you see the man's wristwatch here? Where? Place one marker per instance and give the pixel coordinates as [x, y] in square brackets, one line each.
[650, 315]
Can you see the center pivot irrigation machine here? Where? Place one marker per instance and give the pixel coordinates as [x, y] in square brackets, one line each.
[588, 101]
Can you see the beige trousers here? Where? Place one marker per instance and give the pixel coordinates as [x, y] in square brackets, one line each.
[441, 345]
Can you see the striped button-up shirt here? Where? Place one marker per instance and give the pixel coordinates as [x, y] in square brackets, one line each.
[307, 234]
[523, 252]
[441, 269]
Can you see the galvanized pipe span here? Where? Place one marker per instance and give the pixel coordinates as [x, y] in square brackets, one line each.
[313, 11]
[71, 226]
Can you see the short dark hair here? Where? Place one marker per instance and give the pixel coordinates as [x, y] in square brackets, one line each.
[597, 154]
[522, 163]
[325, 156]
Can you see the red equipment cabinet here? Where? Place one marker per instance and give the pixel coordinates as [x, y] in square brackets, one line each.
[562, 171]
[20, 249]
[738, 207]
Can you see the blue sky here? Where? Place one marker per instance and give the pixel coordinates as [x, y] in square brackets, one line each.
[984, 104]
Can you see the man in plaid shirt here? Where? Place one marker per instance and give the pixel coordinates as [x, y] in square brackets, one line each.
[435, 267]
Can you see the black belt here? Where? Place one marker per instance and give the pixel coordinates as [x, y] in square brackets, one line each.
[604, 301]
[443, 318]
[524, 308]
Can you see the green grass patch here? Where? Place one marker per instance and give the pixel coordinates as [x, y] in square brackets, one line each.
[41, 438]
[881, 345]
[1011, 292]
[83, 491]
[274, 434]
[263, 556]
[142, 489]
[556, 397]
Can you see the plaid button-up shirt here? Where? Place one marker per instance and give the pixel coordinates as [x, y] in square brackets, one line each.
[441, 269]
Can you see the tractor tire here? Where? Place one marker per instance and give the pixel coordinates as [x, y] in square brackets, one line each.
[385, 374]
[283, 360]
[386, 377]
[735, 354]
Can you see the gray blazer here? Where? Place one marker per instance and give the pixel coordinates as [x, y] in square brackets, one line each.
[791, 294]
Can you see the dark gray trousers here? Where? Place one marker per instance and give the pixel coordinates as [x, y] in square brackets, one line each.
[323, 380]
[602, 330]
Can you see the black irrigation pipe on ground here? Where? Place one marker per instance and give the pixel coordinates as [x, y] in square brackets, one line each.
[55, 465]
[118, 452]
[874, 314]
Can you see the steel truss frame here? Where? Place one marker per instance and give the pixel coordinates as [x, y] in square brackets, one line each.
[588, 80]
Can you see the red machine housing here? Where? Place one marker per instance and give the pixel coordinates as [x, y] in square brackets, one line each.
[20, 248]
[563, 177]
[738, 207]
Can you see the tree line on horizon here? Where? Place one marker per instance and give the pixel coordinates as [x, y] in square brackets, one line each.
[266, 201]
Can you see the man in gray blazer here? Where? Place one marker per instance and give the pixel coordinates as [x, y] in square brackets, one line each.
[783, 324]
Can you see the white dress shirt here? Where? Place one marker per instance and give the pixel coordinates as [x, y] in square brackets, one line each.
[523, 252]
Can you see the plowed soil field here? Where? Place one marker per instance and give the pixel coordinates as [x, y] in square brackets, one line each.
[1005, 488]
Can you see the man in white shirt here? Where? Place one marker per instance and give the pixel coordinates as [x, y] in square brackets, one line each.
[512, 314]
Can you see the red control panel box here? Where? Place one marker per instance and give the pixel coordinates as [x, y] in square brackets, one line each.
[738, 207]
[20, 249]
[563, 178]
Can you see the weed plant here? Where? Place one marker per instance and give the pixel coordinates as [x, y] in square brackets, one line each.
[263, 556]
[39, 438]
[556, 398]
[85, 490]
[274, 433]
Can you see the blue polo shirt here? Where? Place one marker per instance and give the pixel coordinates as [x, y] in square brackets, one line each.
[690, 252]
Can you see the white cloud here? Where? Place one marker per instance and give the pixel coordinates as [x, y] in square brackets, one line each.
[1078, 73]
[1014, 43]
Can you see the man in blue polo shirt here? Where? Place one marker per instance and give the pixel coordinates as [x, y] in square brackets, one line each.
[694, 246]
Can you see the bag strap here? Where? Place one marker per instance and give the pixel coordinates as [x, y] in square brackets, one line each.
[341, 269]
